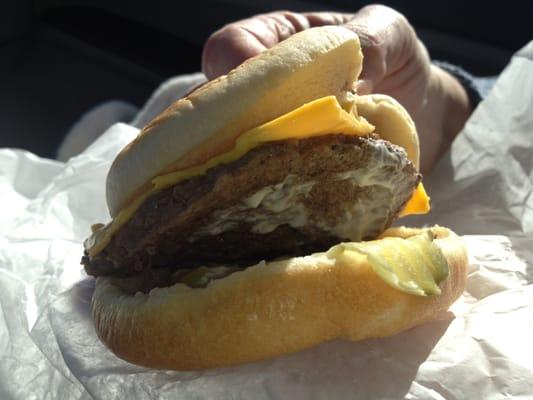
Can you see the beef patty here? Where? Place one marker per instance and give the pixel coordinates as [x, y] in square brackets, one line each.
[285, 198]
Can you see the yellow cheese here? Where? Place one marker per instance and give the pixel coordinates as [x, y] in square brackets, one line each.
[320, 117]
[418, 203]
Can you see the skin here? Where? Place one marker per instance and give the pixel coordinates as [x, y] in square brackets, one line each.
[396, 63]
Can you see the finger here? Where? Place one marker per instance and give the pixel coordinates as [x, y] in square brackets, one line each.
[236, 42]
[386, 40]
[327, 18]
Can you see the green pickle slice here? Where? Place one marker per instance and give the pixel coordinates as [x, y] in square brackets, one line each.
[414, 265]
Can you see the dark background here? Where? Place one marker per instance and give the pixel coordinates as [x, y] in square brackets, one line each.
[59, 58]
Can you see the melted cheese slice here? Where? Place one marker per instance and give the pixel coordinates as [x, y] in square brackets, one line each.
[320, 117]
[418, 203]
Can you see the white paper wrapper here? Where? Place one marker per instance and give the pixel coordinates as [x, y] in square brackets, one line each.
[481, 348]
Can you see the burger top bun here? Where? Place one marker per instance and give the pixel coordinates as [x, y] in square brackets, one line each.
[309, 65]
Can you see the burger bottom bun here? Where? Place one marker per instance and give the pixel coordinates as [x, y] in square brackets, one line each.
[268, 309]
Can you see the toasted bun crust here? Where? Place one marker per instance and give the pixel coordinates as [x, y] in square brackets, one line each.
[267, 310]
[311, 64]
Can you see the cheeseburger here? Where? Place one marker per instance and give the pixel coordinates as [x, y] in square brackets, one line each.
[251, 218]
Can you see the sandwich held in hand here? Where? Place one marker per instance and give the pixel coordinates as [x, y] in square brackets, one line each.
[250, 218]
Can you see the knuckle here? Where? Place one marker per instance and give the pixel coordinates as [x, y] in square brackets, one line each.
[221, 38]
[378, 8]
[385, 13]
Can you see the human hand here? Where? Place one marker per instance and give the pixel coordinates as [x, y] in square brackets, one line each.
[395, 63]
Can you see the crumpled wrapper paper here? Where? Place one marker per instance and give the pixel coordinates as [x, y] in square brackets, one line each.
[481, 348]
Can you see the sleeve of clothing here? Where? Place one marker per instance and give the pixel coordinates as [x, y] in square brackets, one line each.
[477, 88]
